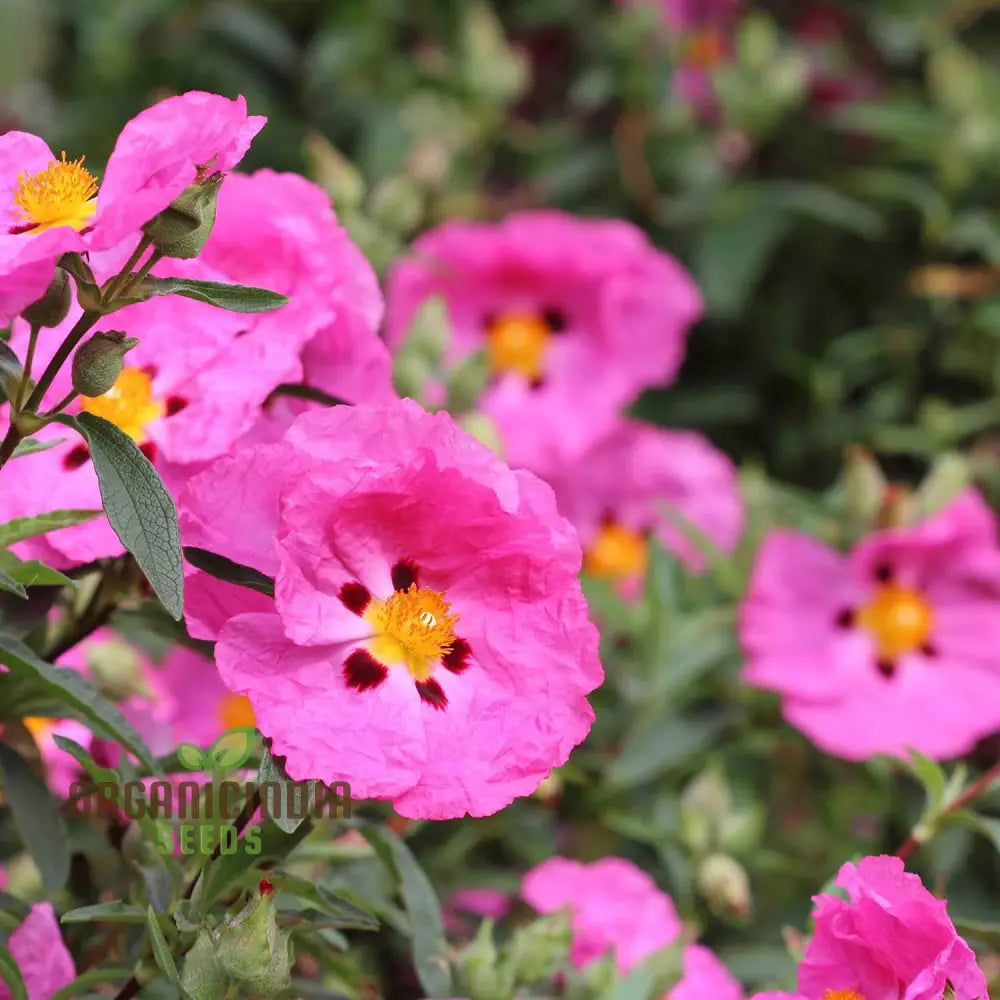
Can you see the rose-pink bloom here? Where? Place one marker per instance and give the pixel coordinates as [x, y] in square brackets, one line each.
[891, 940]
[616, 907]
[190, 390]
[157, 155]
[606, 312]
[638, 475]
[41, 956]
[429, 642]
[890, 647]
[278, 231]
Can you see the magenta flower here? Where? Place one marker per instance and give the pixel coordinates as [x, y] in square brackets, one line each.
[429, 642]
[625, 487]
[42, 958]
[57, 205]
[576, 316]
[616, 907]
[891, 938]
[890, 647]
[278, 231]
[190, 389]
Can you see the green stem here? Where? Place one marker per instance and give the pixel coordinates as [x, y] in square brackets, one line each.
[66, 348]
[61, 405]
[116, 282]
[22, 389]
[154, 258]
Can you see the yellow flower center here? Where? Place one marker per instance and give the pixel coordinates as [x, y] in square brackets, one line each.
[704, 49]
[842, 995]
[236, 710]
[413, 627]
[129, 403]
[38, 726]
[63, 194]
[899, 620]
[517, 343]
[617, 552]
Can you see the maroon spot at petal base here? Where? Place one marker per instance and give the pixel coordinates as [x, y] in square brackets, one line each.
[150, 370]
[26, 228]
[363, 672]
[845, 619]
[883, 573]
[355, 597]
[75, 457]
[149, 450]
[555, 319]
[432, 692]
[404, 573]
[886, 668]
[457, 658]
[929, 650]
[175, 404]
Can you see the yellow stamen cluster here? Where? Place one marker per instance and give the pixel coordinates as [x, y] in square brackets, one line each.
[617, 553]
[899, 620]
[842, 995]
[38, 726]
[516, 343]
[414, 628]
[63, 194]
[129, 404]
[235, 710]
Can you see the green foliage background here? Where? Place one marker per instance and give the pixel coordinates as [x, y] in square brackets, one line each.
[811, 232]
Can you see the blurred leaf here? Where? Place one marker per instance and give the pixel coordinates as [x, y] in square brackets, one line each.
[11, 975]
[161, 951]
[429, 947]
[36, 814]
[95, 977]
[30, 527]
[72, 690]
[225, 569]
[273, 773]
[30, 446]
[115, 912]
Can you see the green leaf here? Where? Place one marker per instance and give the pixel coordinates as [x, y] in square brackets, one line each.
[429, 948]
[272, 771]
[988, 826]
[340, 904]
[115, 912]
[11, 975]
[10, 367]
[161, 951]
[18, 616]
[32, 573]
[233, 747]
[29, 446]
[930, 775]
[36, 814]
[638, 985]
[986, 934]
[139, 508]
[232, 572]
[30, 527]
[95, 977]
[297, 390]
[72, 690]
[11, 586]
[234, 298]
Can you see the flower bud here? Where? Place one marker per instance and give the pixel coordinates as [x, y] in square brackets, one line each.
[705, 804]
[201, 977]
[252, 951]
[536, 950]
[183, 227]
[478, 966]
[98, 362]
[723, 882]
[117, 669]
[52, 308]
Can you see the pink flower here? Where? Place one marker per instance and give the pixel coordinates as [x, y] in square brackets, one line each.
[56, 206]
[890, 647]
[778, 996]
[189, 391]
[42, 958]
[577, 317]
[625, 487]
[892, 938]
[429, 642]
[278, 231]
[616, 907]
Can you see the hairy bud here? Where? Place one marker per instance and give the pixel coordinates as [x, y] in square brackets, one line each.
[252, 951]
[183, 227]
[99, 361]
[52, 308]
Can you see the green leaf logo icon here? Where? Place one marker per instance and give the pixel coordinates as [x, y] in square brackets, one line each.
[233, 748]
[191, 757]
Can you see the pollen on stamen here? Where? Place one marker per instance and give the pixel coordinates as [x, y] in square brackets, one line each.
[63, 194]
